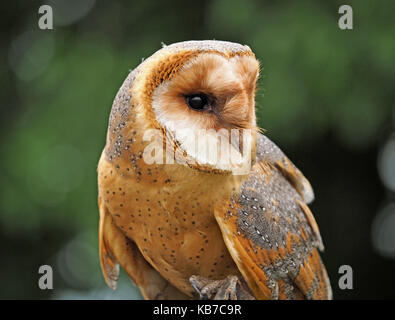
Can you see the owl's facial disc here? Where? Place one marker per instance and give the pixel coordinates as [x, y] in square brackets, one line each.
[210, 97]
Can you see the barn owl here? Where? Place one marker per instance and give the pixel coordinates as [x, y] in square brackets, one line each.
[197, 228]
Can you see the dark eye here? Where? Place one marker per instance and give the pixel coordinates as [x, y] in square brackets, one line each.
[197, 101]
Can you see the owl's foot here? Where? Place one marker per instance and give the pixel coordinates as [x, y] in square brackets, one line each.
[230, 288]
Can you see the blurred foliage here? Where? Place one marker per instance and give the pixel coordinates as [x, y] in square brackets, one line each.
[317, 81]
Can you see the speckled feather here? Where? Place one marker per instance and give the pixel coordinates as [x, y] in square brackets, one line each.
[271, 232]
[162, 227]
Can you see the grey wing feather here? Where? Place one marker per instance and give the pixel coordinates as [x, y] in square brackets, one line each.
[268, 151]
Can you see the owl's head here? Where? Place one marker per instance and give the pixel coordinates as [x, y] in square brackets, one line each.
[198, 89]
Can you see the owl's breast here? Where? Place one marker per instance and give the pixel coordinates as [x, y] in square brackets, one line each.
[172, 222]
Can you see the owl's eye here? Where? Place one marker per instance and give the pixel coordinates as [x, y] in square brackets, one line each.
[197, 101]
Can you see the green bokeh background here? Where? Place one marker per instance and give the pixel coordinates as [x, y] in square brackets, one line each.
[326, 96]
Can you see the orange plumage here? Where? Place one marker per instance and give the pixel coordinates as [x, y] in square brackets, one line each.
[165, 222]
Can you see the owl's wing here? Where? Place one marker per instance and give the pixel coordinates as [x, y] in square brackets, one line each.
[268, 152]
[271, 233]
